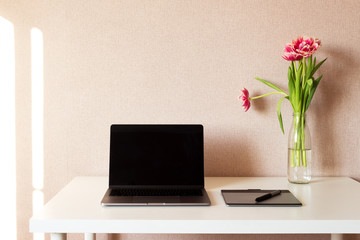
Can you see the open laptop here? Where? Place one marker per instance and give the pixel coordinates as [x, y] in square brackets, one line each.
[156, 165]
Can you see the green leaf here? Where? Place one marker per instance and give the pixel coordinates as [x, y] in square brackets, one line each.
[270, 84]
[293, 68]
[291, 86]
[293, 95]
[290, 74]
[310, 82]
[279, 113]
[297, 100]
[317, 67]
[318, 80]
[309, 68]
[312, 92]
[307, 91]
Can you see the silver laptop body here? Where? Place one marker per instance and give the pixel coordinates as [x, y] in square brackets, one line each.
[156, 165]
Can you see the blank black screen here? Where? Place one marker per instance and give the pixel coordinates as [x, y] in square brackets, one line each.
[156, 155]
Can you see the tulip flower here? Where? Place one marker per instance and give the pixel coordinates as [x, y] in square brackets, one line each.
[244, 97]
[302, 47]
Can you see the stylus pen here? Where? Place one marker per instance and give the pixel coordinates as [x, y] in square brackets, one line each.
[268, 196]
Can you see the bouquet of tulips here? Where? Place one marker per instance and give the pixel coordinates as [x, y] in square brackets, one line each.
[302, 86]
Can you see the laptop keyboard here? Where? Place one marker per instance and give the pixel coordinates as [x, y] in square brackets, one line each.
[156, 192]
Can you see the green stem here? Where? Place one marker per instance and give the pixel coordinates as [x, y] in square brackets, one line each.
[298, 154]
[302, 119]
[303, 141]
[267, 94]
[298, 137]
[293, 149]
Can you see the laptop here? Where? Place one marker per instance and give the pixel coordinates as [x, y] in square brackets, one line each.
[160, 165]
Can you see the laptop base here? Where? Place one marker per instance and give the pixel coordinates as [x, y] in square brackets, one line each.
[156, 200]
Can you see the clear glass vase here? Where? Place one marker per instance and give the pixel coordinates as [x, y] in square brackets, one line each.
[299, 150]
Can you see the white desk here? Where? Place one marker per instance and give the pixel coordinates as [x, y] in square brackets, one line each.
[330, 205]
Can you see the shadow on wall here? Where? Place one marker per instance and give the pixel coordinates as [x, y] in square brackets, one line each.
[226, 156]
[331, 97]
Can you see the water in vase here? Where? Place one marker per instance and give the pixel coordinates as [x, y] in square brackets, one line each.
[299, 165]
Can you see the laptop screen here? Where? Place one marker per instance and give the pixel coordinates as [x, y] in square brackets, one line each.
[156, 155]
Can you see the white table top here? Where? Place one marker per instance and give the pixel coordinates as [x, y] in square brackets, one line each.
[330, 205]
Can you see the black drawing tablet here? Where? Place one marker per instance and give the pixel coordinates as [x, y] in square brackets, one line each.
[247, 198]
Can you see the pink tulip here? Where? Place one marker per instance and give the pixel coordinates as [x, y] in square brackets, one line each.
[290, 54]
[245, 98]
[301, 47]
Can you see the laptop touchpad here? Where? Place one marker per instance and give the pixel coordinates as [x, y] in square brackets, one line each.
[156, 199]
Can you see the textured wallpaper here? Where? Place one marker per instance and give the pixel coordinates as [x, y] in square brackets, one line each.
[115, 61]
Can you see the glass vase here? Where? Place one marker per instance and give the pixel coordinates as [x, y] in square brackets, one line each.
[299, 150]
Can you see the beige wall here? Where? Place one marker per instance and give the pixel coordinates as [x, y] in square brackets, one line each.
[180, 62]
